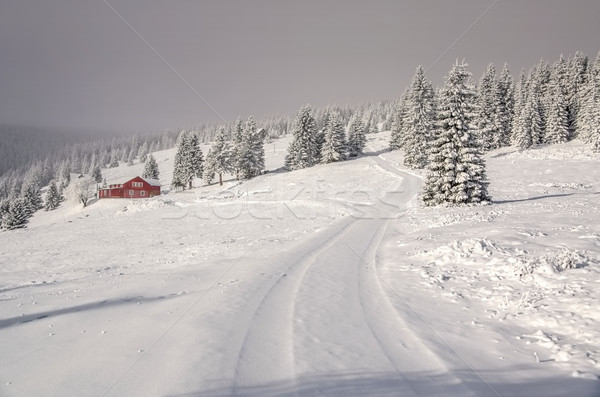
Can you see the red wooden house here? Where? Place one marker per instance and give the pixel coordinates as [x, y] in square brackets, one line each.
[134, 188]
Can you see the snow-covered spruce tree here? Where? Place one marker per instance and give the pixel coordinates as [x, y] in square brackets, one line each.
[208, 173]
[302, 152]
[588, 117]
[486, 121]
[334, 146]
[150, 168]
[238, 138]
[252, 155]
[114, 160]
[503, 108]
[577, 75]
[397, 136]
[17, 214]
[131, 157]
[97, 173]
[419, 121]
[356, 136]
[522, 136]
[456, 170]
[527, 125]
[222, 155]
[188, 161]
[557, 127]
[53, 197]
[4, 205]
[31, 191]
[143, 151]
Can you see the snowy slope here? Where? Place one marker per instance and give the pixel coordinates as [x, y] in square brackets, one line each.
[325, 281]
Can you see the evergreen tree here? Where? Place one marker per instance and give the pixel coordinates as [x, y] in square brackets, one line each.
[150, 168]
[131, 156]
[486, 123]
[124, 155]
[356, 136]
[114, 160]
[557, 128]
[4, 206]
[419, 121]
[143, 151]
[251, 162]
[503, 108]
[53, 197]
[334, 145]
[31, 191]
[456, 171]
[222, 156]
[97, 173]
[397, 135]
[17, 214]
[238, 149]
[188, 161]
[302, 151]
[208, 173]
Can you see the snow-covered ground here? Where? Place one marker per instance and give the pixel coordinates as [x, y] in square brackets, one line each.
[325, 281]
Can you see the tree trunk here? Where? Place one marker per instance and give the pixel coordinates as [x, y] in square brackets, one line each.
[220, 179]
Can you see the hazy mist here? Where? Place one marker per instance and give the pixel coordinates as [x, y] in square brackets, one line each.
[77, 64]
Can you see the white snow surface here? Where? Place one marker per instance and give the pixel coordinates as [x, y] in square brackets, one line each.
[328, 281]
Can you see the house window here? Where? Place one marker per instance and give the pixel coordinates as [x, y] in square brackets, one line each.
[137, 184]
[142, 193]
[131, 192]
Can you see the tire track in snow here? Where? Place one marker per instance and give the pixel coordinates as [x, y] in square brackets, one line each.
[266, 353]
[398, 334]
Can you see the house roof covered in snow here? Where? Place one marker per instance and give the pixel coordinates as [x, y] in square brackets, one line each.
[152, 182]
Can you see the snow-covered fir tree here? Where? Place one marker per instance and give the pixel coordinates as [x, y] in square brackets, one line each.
[334, 145]
[143, 151]
[97, 173]
[456, 171]
[17, 214]
[131, 157]
[302, 152]
[577, 75]
[523, 127]
[397, 135]
[31, 191]
[487, 119]
[238, 138]
[220, 158]
[208, 173]
[150, 168]
[53, 197]
[114, 160]
[356, 136]
[188, 161]
[557, 124]
[251, 162]
[588, 122]
[503, 108]
[419, 121]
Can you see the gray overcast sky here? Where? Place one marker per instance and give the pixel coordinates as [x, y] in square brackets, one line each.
[75, 63]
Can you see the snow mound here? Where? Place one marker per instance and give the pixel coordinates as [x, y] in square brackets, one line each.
[501, 261]
[145, 205]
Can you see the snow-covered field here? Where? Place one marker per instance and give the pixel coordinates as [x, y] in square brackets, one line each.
[326, 281]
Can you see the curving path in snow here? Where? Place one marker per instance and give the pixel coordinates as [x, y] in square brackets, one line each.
[326, 326]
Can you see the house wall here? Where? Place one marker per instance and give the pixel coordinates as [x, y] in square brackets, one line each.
[135, 188]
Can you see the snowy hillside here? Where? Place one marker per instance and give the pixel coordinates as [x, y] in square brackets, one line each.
[331, 280]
